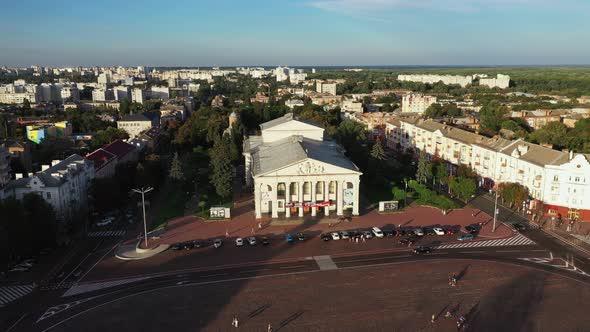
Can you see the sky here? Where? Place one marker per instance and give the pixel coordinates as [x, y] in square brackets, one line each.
[294, 32]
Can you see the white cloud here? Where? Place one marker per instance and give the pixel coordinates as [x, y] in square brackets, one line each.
[376, 7]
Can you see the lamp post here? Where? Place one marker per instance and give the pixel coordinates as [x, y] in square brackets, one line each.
[495, 211]
[143, 191]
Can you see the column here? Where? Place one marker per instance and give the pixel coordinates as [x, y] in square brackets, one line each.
[300, 195]
[275, 201]
[339, 201]
[355, 207]
[287, 198]
[313, 198]
[326, 197]
[257, 201]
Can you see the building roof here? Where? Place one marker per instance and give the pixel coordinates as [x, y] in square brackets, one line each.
[536, 154]
[145, 116]
[71, 165]
[268, 157]
[100, 158]
[286, 118]
[119, 148]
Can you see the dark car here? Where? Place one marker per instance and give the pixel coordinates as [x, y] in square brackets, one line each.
[429, 231]
[407, 241]
[472, 229]
[452, 230]
[326, 237]
[197, 243]
[265, 241]
[388, 232]
[177, 246]
[188, 246]
[423, 250]
[354, 233]
[300, 236]
[519, 227]
[289, 238]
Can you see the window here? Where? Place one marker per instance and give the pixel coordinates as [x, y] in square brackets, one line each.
[577, 179]
[332, 189]
[306, 188]
[48, 195]
[555, 178]
[280, 204]
[319, 188]
[281, 189]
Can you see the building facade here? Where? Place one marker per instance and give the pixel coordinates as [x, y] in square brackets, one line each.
[416, 103]
[135, 124]
[294, 172]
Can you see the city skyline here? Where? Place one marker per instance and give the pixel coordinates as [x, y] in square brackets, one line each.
[299, 33]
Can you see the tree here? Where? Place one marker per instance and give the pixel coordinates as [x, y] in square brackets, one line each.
[491, 116]
[109, 135]
[202, 205]
[377, 151]
[176, 172]
[554, 133]
[221, 167]
[512, 193]
[442, 173]
[398, 193]
[125, 106]
[424, 172]
[463, 187]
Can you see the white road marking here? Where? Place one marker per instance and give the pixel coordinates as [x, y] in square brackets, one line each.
[11, 293]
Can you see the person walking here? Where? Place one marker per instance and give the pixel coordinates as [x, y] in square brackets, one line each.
[448, 314]
[433, 318]
[269, 329]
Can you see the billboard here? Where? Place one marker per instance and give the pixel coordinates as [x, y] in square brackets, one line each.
[348, 198]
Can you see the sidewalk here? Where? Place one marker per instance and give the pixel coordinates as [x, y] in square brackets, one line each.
[244, 224]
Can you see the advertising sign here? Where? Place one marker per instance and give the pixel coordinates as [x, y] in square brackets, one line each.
[348, 198]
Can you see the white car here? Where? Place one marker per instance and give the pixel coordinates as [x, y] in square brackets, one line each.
[252, 241]
[239, 242]
[335, 236]
[104, 222]
[377, 231]
[344, 235]
[419, 231]
[438, 231]
[19, 269]
[217, 243]
[367, 234]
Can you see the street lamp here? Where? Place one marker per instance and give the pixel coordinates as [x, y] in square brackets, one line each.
[495, 211]
[143, 191]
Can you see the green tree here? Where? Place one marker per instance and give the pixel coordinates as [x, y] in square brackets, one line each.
[124, 106]
[464, 188]
[424, 172]
[442, 173]
[221, 167]
[377, 152]
[491, 116]
[398, 193]
[512, 194]
[176, 172]
[434, 111]
[109, 135]
[554, 133]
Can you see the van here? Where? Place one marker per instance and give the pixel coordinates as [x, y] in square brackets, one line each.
[377, 232]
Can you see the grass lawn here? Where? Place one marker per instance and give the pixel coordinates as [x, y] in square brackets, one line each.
[171, 205]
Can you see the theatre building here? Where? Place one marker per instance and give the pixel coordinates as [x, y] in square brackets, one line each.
[295, 172]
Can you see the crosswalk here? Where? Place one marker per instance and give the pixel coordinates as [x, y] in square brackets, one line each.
[11, 293]
[56, 285]
[517, 240]
[106, 233]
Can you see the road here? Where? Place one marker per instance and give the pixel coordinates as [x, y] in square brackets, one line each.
[486, 203]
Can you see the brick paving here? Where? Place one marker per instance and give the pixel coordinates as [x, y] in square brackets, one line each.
[243, 223]
[493, 297]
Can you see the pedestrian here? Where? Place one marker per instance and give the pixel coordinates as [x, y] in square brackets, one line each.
[234, 322]
[364, 240]
[448, 314]
[226, 233]
[237, 322]
[432, 318]
[259, 225]
[269, 329]
[357, 239]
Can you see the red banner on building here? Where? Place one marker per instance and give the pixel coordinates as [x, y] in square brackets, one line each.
[309, 204]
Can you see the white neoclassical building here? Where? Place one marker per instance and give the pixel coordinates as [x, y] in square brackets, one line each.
[294, 172]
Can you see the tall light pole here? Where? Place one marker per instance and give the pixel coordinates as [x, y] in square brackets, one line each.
[495, 211]
[143, 191]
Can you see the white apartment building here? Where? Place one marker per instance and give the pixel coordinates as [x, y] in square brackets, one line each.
[352, 106]
[102, 95]
[138, 95]
[560, 180]
[501, 81]
[282, 73]
[122, 92]
[463, 81]
[297, 78]
[159, 92]
[326, 87]
[416, 103]
[64, 185]
[70, 93]
[134, 124]
[104, 79]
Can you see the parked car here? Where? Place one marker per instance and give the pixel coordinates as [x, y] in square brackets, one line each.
[367, 234]
[452, 230]
[188, 246]
[377, 231]
[407, 241]
[300, 236]
[217, 243]
[326, 237]
[265, 241]
[419, 231]
[406, 231]
[344, 235]
[104, 222]
[197, 243]
[239, 242]
[252, 241]
[438, 231]
[19, 269]
[472, 229]
[177, 246]
[289, 238]
[465, 237]
[422, 250]
[428, 231]
[354, 233]
[335, 236]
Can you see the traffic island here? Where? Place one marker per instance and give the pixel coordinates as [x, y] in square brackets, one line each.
[135, 252]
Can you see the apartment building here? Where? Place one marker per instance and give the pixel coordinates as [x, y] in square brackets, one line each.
[326, 87]
[135, 124]
[463, 81]
[416, 103]
[501, 81]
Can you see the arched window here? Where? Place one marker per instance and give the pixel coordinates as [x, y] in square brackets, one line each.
[332, 187]
[293, 188]
[281, 189]
[306, 188]
[319, 188]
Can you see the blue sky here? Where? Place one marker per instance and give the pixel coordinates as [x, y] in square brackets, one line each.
[294, 32]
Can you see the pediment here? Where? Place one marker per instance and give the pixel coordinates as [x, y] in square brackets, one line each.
[311, 167]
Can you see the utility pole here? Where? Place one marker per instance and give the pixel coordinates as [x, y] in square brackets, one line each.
[143, 191]
[495, 211]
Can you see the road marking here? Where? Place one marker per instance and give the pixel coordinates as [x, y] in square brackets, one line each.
[513, 250]
[15, 323]
[214, 275]
[372, 259]
[94, 286]
[11, 293]
[325, 262]
[517, 240]
[292, 267]
[471, 252]
[253, 270]
[107, 233]
[103, 256]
